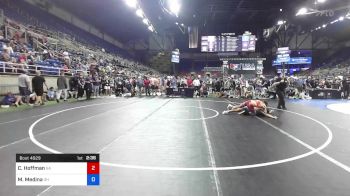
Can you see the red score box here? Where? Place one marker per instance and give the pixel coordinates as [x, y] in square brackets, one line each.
[93, 168]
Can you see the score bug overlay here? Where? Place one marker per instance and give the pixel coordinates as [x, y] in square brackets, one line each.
[57, 169]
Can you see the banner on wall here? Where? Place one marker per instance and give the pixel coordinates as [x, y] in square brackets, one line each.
[246, 66]
[212, 69]
[295, 61]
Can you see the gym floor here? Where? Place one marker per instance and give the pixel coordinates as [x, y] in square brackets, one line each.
[175, 146]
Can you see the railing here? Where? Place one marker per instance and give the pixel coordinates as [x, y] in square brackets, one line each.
[14, 68]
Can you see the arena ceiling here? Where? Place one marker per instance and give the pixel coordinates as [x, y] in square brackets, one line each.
[211, 16]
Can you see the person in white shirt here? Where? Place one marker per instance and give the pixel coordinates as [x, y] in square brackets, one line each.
[24, 85]
[196, 84]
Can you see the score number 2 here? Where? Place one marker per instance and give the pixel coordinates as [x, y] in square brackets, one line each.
[93, 173]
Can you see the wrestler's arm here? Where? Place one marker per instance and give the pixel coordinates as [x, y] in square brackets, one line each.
[268, 115]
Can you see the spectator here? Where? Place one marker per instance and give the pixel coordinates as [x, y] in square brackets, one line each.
[65, 68]
[96, 82]
[88, 87]
[62, 86]
[345, 88]
[196, 84]
[73, 85]
[146, 84]
[38, 83]
[11, 100]
[66, 58]
[81, 86]
[24, 85]
[50, 94]
[5, 56]
[32, 99]
[139, 85]
[2, 36]
[11, 46]
[189, 81]
[107, 86]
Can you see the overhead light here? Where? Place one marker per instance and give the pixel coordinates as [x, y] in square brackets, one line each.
[281, 22]
[139, 13]
[341, 18]
[302, 11]
[174, 6]
[336, 21]
[150, 28]
[131, 3]
[182, 24]
[321, 1]
[176, 23]
[347, 15]
[281, 10]
[145, 21]
[324, 26]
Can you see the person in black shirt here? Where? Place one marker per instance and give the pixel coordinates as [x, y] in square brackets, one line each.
[88, 86]
[280, 91]
[327, 84]
[81, 86]
[38, 87]
[73, 86]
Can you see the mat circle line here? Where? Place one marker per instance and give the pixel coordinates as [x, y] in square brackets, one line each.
[239, 167]
[193, 119]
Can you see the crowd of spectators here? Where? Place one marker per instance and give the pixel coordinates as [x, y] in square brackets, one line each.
[23, 48]
[25, 52]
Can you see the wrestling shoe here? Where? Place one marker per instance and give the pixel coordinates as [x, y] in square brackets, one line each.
[225, 112]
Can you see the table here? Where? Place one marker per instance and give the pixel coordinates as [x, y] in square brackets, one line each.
[325, 94]
[183, 92]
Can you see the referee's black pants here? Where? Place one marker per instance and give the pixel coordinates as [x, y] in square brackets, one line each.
[281, 102]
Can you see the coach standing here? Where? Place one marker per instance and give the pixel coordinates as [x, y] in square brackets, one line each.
[24, 85]
[62, 86]
[38, 87]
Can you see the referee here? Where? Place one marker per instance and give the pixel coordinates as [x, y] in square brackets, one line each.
[280, 91]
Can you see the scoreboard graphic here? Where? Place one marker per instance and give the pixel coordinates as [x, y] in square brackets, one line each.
[228, 42]
[57, 170]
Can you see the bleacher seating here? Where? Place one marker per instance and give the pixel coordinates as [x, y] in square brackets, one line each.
[80, 45]
[27, 14]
